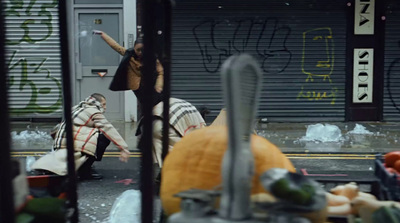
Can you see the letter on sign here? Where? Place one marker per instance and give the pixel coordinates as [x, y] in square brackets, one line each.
[364, 15]
[363, 75]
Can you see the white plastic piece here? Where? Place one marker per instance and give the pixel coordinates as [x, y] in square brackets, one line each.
[127, 208]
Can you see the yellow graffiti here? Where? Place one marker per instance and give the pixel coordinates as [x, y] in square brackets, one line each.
[315, 96]
[323, 63]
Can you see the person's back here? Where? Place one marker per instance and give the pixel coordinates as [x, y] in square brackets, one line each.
[87, 121]
[183, 118]
[92, 134]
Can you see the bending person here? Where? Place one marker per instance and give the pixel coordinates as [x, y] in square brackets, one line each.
[183, 119]
[92, 133]
[183, 116]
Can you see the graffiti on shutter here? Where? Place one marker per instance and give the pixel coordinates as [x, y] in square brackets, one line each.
[33, 59]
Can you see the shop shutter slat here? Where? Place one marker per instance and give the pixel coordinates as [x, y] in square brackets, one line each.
[34, 58]
[229, 27]
[391, 109]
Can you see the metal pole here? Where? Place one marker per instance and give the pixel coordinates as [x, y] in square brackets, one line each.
[167, 73]
[6, 189]
[72, 209]
[146, 142]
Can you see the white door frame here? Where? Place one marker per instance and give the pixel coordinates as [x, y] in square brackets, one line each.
[77, 64]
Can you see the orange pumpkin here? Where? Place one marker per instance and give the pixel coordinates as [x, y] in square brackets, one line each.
[195, 162]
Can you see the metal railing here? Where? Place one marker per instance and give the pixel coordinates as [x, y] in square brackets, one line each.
[6, 189]
[72, 204]
[7, 214]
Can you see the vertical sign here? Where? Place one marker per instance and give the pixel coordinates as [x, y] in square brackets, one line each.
[363, 68]
[130, 41]
[364, 17]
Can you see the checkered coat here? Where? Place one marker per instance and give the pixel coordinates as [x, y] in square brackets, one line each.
[88, 121]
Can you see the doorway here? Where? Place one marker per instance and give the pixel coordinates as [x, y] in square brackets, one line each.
[96, 62]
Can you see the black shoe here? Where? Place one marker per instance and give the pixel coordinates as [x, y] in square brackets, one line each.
[90, 175]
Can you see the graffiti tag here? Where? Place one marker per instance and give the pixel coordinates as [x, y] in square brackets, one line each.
[318, 63]
[316, 96]
[32, 73]
[35, 20]
[30, 76]
[266, 38]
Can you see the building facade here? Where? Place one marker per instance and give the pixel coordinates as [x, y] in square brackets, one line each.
[322, 60]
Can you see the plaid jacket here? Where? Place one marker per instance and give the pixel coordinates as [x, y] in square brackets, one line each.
[183, 116]
[88, 121]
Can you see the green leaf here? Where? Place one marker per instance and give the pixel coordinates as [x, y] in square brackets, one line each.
[24, 217]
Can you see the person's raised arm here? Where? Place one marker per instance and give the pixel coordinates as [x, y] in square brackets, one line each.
[110, 41]
[160, 77]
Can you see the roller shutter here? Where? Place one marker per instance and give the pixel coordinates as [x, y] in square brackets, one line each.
[391, 109]
[33, 58]
[300, 45]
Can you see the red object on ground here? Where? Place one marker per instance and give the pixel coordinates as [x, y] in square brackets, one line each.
[396, 166]
[391, 158]
[126, 181]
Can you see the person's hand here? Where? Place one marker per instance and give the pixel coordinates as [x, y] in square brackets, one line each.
[124, 155]
[97, 32]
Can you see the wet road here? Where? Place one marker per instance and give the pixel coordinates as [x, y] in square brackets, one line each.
[350, 158]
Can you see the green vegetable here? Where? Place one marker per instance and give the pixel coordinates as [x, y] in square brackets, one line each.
[299, 195]
[24, 218]
[280, 188]
[47, 209]
[386, 214]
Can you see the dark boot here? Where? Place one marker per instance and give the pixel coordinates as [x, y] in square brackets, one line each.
[87, 172]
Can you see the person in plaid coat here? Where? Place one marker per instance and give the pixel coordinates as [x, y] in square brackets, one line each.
[92, 133]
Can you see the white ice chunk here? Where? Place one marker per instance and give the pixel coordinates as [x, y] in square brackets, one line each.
[29, 161]
[360, 130]
[323, 133]
[30, 136]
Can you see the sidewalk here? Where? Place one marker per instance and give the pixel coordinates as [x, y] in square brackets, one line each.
[29, 140]
[384, 137]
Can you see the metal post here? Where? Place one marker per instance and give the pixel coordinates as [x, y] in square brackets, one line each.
[6, 189]
[72, 209]
[167, 73]
[146, 142]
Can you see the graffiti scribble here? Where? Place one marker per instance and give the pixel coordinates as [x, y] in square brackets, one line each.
[32, 85]
[30, 75]
[316, 96]
[217, 40]
[318, 62]
[40, 20]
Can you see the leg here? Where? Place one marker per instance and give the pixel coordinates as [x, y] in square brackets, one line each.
[173, 137]
[86, 171]
[102, 144]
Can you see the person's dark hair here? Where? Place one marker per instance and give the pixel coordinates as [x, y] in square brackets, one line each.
[98, 96]
[137, 41]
